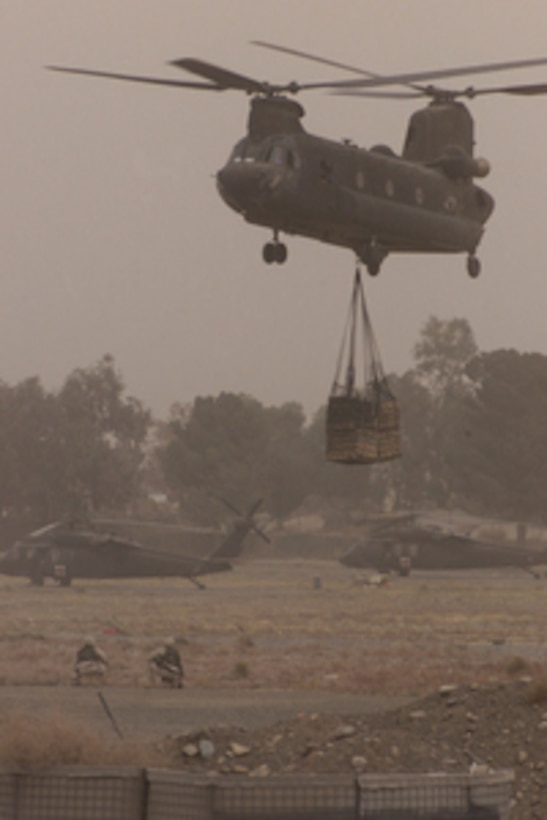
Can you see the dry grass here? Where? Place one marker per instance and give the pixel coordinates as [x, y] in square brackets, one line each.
[267, 626]
[29, 743]
[538, 690]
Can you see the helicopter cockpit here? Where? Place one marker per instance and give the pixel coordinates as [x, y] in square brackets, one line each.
[276, 152]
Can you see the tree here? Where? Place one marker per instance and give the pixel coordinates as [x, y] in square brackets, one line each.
[233, 447]
[503, 449]
[441, 356]
[442, 352]
[32, 467]
[104, 433]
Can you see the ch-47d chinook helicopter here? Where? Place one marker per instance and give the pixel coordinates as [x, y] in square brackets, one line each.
[373, 202]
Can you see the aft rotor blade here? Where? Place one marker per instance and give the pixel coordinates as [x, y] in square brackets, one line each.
[134, 78]
[525, 90]
[433, 91]
[381, 95]
[395, 79]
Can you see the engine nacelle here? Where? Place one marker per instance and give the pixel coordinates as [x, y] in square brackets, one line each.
[456, 163]
[482, 167]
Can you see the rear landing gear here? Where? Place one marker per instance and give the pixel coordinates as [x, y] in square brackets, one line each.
[372, 256]
[473, 266]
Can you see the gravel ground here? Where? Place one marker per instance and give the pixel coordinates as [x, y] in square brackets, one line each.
[458, 729]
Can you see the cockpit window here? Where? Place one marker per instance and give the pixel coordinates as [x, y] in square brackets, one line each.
[244, 151]
[276, 154]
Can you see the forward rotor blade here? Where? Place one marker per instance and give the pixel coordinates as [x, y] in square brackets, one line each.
[221, 76]
[240, 82]
[137, 79]
[395, 79]
[304, 55]
[324, 61]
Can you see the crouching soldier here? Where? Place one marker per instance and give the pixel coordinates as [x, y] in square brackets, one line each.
[165, 665]
[91, 664]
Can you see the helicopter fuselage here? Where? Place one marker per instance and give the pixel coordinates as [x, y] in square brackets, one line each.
[370, 201]
[373, 202]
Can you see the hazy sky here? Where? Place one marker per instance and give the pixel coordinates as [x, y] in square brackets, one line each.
[113, 237]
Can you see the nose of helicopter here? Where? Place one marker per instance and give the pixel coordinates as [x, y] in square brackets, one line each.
[243, 185]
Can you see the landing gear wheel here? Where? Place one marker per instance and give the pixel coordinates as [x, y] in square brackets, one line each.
[268, 253]
[372, 255]
[280, 253]
[473, 266]
[274, 252]
[373, 266]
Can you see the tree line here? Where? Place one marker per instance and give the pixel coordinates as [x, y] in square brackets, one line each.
[473, 436]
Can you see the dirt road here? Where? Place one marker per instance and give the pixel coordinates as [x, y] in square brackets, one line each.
[155, 713]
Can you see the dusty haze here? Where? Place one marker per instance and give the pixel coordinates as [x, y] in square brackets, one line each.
[113, 236]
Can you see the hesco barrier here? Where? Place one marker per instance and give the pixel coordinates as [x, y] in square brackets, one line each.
[83, 793]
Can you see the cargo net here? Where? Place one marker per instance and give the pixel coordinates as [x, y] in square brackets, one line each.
[362, 412]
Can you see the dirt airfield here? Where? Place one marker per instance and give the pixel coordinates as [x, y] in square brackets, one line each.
[280, 656]
[311, 626]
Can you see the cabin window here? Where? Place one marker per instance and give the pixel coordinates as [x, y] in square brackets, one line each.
[390, 187]
[281, 155]
[325, 170]
[360, 180]
[419, 194]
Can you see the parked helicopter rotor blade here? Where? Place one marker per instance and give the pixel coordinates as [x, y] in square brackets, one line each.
[261, 534]
[254, 508]
[248, 517]
[137, 79]
[229, 505]
[397, 79]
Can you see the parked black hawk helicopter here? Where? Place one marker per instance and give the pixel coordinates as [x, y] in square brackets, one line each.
[370, 201]
[64, 551]
[414, 541]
